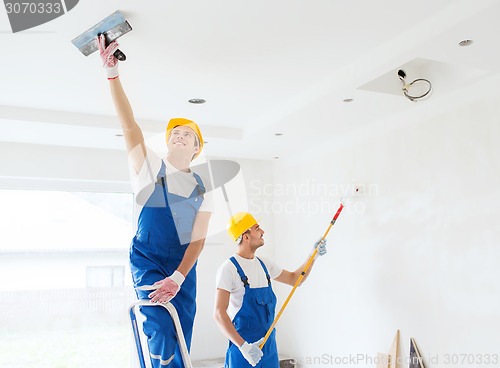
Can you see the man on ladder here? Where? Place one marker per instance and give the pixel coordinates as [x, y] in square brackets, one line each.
[172, 223]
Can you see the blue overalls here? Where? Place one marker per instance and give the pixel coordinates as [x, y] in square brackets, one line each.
[252, 322]
[163, 234]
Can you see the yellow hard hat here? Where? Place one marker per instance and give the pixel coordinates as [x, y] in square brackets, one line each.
[190, 124]
[240, 223]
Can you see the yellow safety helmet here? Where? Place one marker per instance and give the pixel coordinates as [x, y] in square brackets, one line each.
[240, 223]
[175, 122]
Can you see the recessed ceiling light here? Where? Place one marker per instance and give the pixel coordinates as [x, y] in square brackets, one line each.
[278, 134]
[276, 157]
[197, 101]
[348, 99]
[465, 43]
[119, 135]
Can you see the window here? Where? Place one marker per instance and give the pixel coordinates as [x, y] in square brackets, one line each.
[65, 283]
[105, 276]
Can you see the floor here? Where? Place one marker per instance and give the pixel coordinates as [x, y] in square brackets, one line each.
[209, 363]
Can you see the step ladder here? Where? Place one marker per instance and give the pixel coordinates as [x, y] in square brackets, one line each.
[178, 328]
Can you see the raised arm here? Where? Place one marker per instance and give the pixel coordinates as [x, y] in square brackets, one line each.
[134, 139]
[291, 277]
[132, 133]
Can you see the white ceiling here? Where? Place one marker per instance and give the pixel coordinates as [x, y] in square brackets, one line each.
[263, 66]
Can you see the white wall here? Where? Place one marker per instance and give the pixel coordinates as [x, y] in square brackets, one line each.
[418, 252]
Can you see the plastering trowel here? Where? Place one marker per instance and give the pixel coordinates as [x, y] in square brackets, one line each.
[112, 27]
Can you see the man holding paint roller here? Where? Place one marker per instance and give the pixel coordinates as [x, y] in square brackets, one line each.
[172, 223]
[245, 302]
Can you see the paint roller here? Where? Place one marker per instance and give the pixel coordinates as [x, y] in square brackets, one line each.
[302, 274]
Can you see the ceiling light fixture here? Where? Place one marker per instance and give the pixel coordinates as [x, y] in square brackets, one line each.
[418, 83]
[276, 157]
[278, 134]
[197, 101]
[465, 43]
[348, 99]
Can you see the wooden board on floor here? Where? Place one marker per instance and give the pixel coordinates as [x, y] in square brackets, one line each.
[393, 352]
[415, 357]
[382, 360]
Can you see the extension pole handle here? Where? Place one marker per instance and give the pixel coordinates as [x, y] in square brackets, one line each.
[301, 276]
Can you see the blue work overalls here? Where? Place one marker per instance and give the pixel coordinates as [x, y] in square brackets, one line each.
[163, 234]
[252, 322]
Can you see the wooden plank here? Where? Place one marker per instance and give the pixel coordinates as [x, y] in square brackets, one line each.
[393, 352]
[382, 360]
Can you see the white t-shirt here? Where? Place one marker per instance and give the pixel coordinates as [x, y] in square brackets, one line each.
[182, 183]
[228, 279]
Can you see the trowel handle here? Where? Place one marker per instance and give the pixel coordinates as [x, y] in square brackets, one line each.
[120, 55]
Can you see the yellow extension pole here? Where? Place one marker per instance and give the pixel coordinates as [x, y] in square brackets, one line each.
[302, 274]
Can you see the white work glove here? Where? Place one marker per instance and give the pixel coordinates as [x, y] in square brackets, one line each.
[321, 246]
[109, 61]
[168, 288]
[251, 352]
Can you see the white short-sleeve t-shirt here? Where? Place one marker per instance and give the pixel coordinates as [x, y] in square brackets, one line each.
[228, 279]
[182, 183]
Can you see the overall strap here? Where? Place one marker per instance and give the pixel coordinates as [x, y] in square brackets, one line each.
[265, 270]
[201, 186]
[243, 277]
[162, 175]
